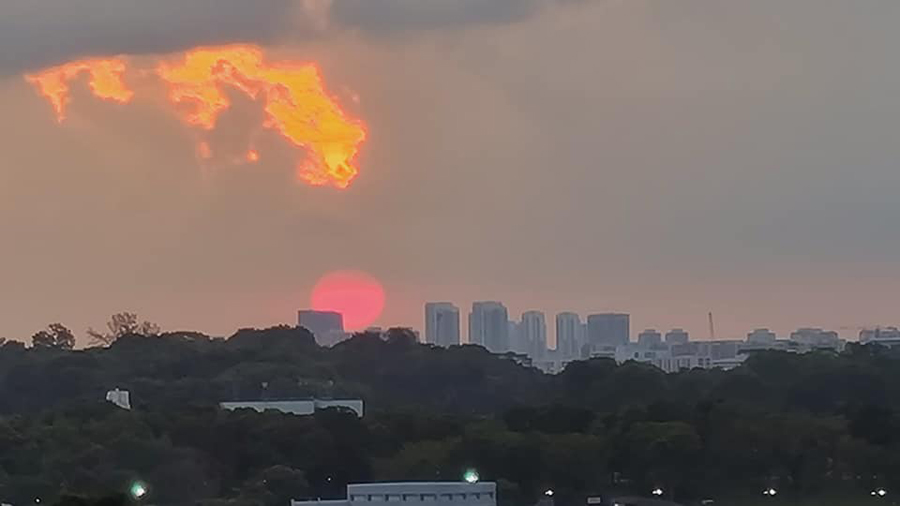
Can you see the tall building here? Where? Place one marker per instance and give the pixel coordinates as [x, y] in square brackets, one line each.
[608, 329]
[649, 338]
[489, 326]
[326, 326]
[568, 335]
[677, 336]
[441, 323]
[534, 333]
[516, 343]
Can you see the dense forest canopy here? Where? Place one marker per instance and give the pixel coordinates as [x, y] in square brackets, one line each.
[820, 426]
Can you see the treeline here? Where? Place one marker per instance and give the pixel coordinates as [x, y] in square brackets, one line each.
[817, 427]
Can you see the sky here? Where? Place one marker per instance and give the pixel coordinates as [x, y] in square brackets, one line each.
[666, 159]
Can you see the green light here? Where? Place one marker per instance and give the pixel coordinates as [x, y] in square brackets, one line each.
[138, 490]
[471, 476]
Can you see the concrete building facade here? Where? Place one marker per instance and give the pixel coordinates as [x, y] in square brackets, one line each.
[608, 328]
[326, 326]
[489, 326]
[296, 407]
[414, 494]
[441, 324]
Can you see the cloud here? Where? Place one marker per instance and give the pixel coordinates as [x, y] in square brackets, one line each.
[399, 15]
[38, 33]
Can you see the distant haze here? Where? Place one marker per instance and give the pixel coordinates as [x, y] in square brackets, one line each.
[665, 159]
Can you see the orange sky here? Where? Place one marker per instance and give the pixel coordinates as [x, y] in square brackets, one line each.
[593, 156]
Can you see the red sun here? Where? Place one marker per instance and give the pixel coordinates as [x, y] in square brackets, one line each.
[356, 295]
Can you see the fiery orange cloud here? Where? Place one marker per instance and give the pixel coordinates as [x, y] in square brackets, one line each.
[292, 94]
[105, 80]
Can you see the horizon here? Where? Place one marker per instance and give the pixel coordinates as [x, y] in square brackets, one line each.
[665, 161]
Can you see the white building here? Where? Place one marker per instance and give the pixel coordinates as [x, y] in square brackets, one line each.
[569, 336]
[885, 336]
[761, 337]
[441, 324]
[677, 336]
[120, 398]
[489, 326]
[297, 407]
[414, 493]
[650, 338]
[533, 333]
[816, 338]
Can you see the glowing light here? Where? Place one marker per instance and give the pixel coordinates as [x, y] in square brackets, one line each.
[356, 295]
[292, 95]
[471, 476]
[138, 490]
[771, 492]
[657, 492]
[105, 78]
[548, 492]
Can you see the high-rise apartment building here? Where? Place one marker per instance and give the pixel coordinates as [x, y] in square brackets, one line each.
[441, 324]
[533, 332]
[608, 329]
[326, 326]
[489, 326]
[568, 335]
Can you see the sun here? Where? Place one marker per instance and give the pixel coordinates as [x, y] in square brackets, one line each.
[356, 295]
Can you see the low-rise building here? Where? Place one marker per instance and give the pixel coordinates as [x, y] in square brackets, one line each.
[885, 336]
[297, 406]
[414, 493]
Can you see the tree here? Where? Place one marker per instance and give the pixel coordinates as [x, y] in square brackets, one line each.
[56, 336]
[123, 324]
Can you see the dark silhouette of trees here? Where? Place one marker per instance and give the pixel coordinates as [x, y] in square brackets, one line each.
[55, 336]
[123, 324]
[432, 413]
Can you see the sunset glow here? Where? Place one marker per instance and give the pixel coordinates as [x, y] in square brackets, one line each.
[292, 95]
[356, 295]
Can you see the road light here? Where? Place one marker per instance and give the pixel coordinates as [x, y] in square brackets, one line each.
[471, 476]
[138, 490]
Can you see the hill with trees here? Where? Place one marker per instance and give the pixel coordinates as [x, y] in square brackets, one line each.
[818, 427]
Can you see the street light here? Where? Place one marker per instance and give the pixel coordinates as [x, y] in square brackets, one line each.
[879, 492]
[548, 492]
[471, 476]
[657, 492]
[138, 490]
[771, 492]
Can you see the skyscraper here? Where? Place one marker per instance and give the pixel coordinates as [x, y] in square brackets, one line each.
[441, 323]
[534, 333]
[489, 326]
[568, 335]
[608, 329]
[326, 326]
